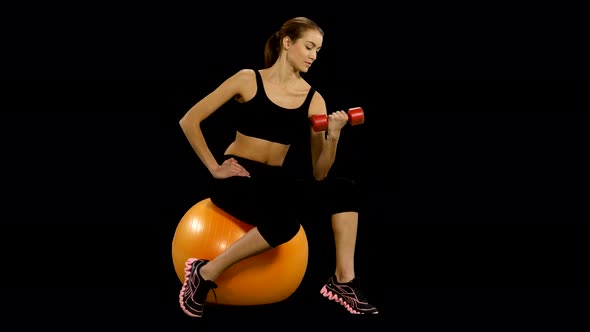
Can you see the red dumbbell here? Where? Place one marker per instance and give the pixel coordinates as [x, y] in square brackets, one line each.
[319, 122]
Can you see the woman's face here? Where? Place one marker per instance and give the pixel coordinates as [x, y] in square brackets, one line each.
[304, 51]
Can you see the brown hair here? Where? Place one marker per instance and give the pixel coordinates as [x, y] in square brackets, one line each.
[293, 29]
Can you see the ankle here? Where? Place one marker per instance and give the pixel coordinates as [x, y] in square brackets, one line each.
[344, 278]
[206, 273]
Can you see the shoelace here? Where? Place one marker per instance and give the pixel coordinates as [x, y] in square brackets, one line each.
[213, 286]
[355, 285]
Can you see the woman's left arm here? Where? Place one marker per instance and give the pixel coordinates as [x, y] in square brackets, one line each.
[324, 143]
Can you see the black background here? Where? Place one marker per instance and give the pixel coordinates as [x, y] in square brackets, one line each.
[472, 161]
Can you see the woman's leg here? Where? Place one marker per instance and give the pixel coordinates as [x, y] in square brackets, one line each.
[201, 273]
[344, 287]
[243, 198]
[344, 226]
[251, 244]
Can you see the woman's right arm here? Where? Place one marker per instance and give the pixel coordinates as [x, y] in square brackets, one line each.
[191, 121]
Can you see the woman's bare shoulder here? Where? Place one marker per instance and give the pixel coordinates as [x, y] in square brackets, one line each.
[245, 74]
[317, 104]
[244, 83]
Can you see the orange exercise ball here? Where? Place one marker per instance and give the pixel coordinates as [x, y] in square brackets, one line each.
[272, 276]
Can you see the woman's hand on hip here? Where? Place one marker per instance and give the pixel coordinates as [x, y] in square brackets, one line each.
[230, 167]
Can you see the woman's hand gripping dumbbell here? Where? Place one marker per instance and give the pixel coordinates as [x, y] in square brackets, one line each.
[319, 122]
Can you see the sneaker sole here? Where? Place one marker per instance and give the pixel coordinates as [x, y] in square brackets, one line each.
[187, 271]
[334, 297]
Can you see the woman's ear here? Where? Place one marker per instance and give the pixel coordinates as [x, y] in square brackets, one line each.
[287, 42]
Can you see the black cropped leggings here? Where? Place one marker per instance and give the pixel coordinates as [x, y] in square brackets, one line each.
[274, 202]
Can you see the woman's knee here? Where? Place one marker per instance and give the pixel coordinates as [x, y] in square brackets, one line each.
[277, 233]
[343, 195]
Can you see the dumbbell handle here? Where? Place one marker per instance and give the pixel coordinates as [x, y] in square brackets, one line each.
[356, 116]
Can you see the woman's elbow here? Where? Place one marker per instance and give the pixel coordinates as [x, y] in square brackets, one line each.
[183, 121]
[186, 123]
[319, 176]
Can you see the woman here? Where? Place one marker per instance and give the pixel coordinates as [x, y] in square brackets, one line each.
[274, 107]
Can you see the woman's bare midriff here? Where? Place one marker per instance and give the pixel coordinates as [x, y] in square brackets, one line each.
[260, 150]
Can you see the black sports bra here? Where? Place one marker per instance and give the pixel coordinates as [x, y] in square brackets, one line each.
[260, 117]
